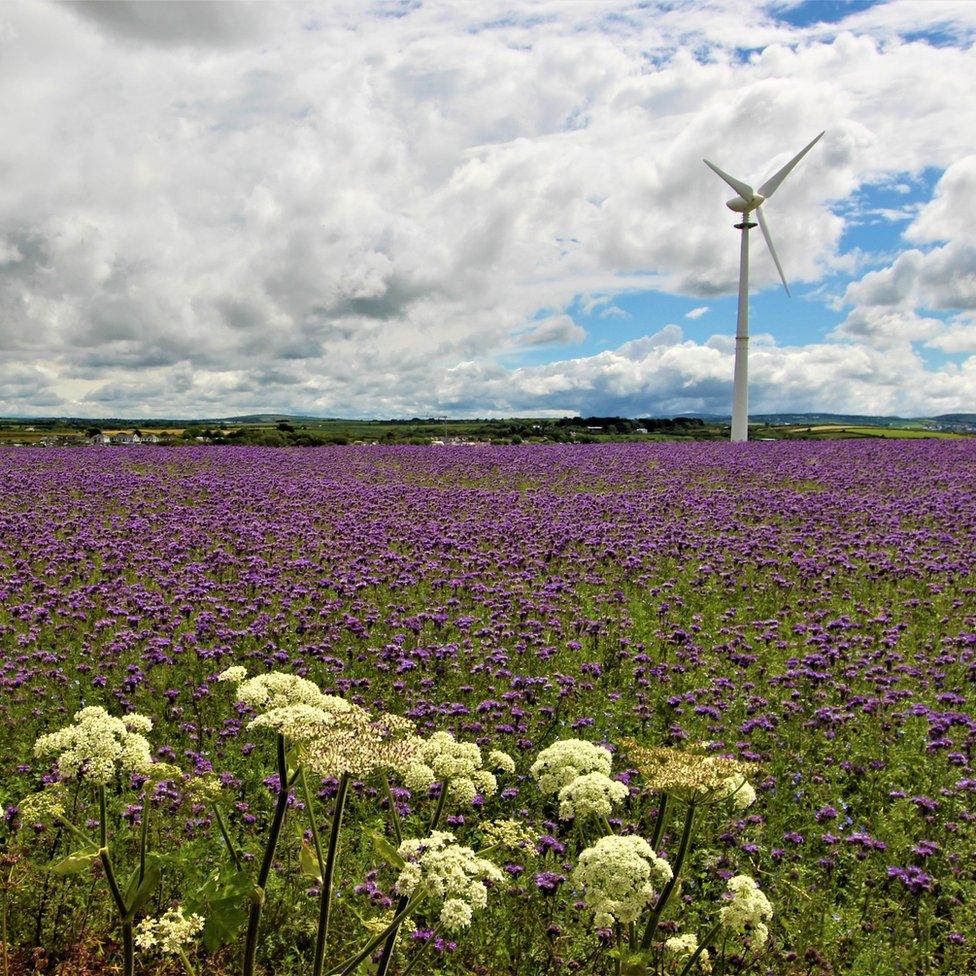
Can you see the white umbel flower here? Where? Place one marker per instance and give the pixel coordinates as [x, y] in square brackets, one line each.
[748, 910]
[739, 791]
[559, 764]
[619, 876]
[501, 761]
[169, 933]
[684, 946]
[98, 746]
[358, 744]
[44, 807]
[276, 689]
[235, 675]
[446, 870]
[593, 793]
[458, 764]
[300, 723]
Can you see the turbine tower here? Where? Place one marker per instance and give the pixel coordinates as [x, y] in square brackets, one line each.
[750, 201]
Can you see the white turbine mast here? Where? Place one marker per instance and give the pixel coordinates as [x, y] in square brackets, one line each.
[747, 202]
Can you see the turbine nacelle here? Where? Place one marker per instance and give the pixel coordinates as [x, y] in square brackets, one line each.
[742, 205]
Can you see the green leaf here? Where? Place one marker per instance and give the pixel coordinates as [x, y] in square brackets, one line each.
[77, 862]
[634, 966]
[309, 862]
[144, 891]
[386, 850]
[132, 887]
[222, 925]
[220, 900]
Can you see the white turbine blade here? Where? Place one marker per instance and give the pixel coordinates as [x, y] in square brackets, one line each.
[772, 184]
[772, 250]
[743, 189]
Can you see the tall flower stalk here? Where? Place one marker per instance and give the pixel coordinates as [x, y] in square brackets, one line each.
[95, 749]
[258, 896]
[328, 875]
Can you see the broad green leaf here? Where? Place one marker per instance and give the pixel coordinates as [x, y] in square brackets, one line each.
[145, 890]
[132, 887]
[386, 850]
[634, 966]
[226, 918]
[309, 862]
[220, 900]
[77, 862]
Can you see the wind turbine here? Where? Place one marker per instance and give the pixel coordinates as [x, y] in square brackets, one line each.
[750, 201]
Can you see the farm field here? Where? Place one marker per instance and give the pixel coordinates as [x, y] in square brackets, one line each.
[798, 615]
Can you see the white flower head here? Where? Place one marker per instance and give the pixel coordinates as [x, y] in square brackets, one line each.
[562, 762]
[457, 764]
[170, 932]
[748, 909]
[684, 946]
[276, 689]
[501, 761]
[358, 743]
[593, 793]
[44, 807]
[235, 674]
[619, 876]
[739, 790]
[300, 723]
[97, 746]
[510, 834]
[448, 871]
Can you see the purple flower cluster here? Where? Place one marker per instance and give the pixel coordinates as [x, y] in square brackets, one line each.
[807, 606]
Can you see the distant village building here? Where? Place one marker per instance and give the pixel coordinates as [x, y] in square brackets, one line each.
[100, 439]
[126, 439]
[150, 439]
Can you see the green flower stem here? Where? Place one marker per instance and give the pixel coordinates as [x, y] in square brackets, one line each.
[113, 884]
[310, 807]
[439, 809]
[661, 822]
[662, 902]
[391, 940]
[143, 836]
[417, 955]
[394, 815]
[222, 824]
[128, 950]
[257, 900]
[328, 873]
[702, 946]
[102, 819]
[128, 943]
[186, 962]
[89, 841]
[3, 921]
[387, 957]
[350, 965]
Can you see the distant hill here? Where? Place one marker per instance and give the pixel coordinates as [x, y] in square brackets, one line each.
[848, 419]
[853, 419]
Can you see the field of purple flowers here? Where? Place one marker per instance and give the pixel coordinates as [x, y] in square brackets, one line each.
[809, 608]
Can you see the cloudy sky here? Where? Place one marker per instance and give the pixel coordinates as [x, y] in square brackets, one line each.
[489, 207]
